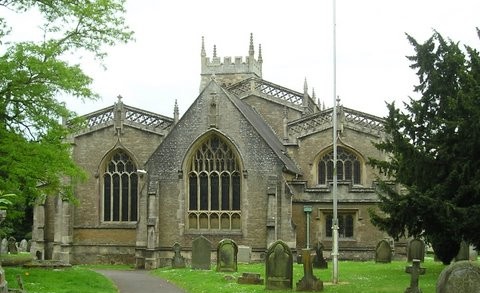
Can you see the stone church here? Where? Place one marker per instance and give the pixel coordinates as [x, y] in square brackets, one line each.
[249, 160]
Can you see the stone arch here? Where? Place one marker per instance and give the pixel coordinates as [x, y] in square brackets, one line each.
[355, 165]
[213, 180]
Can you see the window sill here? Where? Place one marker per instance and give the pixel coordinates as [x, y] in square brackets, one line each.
[214, 232]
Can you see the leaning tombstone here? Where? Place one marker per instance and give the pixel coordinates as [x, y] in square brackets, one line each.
[279, 267]
[227, 251]
[383, 252]
[416, 250]
[463, 252]
[319, 261]
[178, 261]
[201, 253]
[4, 246]
[22, 247]
[12, 245]
[415, 271]
[309, 282]
[462, 276]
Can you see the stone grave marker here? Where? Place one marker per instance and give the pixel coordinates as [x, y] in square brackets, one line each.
[4, 246]
[463, 252]
[309, 282]
[178, 261]
[250, 278]
[201, 253]
[279, 267]
[12, 245]
[462, 276]
[415, 271]
[473, 253]
[416, 250]
[244, 254]
[319, 261]
[383, 252]
[22, 247]
[227, 251]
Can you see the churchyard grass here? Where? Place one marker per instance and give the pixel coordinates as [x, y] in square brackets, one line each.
[355, 277]
[65, 280]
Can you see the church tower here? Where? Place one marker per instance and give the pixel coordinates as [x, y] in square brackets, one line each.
[230, 71]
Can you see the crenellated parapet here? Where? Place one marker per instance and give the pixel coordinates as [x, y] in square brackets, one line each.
[228, 70]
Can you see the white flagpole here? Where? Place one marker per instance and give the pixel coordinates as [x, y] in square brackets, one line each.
[334, 191]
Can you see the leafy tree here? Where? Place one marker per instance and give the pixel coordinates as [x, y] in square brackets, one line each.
[434, 151]
[34, 153]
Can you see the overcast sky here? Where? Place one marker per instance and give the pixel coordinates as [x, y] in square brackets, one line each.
[163, 64]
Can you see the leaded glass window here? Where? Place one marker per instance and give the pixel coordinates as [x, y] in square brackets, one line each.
[120, 189]
[214, 184]
[345, 225]
[348, 167]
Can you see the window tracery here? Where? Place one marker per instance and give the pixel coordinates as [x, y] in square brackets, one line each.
[348, 167]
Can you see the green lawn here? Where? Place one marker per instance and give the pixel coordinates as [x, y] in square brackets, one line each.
[76, 279]
[354, 277]
[368, 277]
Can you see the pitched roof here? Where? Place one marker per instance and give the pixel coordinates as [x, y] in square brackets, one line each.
[264, 130]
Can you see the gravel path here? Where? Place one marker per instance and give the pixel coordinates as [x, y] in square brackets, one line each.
[139, 281]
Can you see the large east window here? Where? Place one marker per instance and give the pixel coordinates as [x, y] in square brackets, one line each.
[348, 167]
[120, 189]
[214, 187]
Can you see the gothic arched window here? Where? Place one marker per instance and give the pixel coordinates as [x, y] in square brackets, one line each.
[348, 167]
[214, 187]
[120, 189]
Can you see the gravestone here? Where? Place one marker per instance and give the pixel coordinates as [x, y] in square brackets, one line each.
[319, 261]
[462, 276]
[415, 271]
[178, 261]
[3, 281]
[227, 251]
[22, 247]
[201, 253]
[12, 245]
[463, 252]
[416, 250]
[473, 253]
[309, 282]
[250, 278]
[4, 246]
[279, 267]
[244, 254]
[383, 252]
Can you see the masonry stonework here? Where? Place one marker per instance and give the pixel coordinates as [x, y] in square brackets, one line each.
[241, 163]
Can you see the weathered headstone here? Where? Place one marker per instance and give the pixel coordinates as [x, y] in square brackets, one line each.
[416, 250]
[29, 245]
[201, 253]
[4, 246]
[462, 276]
[383, 252]
[464, 252]
[415, 271]
[227, 251]
[473, 253]
[279, 267]
[244, 254]
[319, 261]
[309, 282]
[3, 282]
[178, 261]
[250, 278]
[12, 245]
[22, 247]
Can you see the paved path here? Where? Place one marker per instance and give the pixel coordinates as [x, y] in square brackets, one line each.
[139, 281]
